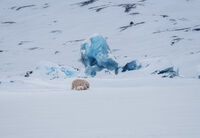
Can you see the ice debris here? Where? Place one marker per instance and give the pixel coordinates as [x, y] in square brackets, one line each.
[167, 72]
[133, 65]
[52, 71]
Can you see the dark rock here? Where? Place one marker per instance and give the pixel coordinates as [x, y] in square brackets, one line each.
[12, 81]
[1, 51]
[134, 13]
[196, 29]
[28, 73]
[141, 0]
[23, 42]
[176, 40]
[130, 25]
[33, 48]
[164, 16]
[56, 52]
[22, 7]
[199, 77]
[8, 22]
[128, 7]
[74, 41]
[46, 5]
[182, 29]
[84, 3]
[99, 8]
[56, 31]
[138, 23]
[185, 29]
[12, 8]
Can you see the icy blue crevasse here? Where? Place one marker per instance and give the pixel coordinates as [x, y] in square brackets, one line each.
[133, 65]
[95, 56]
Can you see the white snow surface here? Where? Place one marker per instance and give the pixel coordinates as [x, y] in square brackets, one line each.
[122, 108]
[134, 104]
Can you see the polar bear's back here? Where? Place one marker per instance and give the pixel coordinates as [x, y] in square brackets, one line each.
[80, 84]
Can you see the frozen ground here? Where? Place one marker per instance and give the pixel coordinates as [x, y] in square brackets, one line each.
[158, 34]
[110, 109]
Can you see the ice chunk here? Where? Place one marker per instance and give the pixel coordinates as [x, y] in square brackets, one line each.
[133, 65]
[95, 55]
[167, 72]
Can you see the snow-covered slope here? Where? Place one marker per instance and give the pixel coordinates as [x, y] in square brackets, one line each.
[38, 38]
[163, 34]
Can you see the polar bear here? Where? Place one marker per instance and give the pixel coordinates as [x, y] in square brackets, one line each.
[80, 84]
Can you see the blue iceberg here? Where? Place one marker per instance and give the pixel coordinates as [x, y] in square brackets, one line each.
[95, 55]
[133, 65]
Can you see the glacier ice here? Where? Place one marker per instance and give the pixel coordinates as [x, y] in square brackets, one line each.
[133, 65]
[169, 72]
[96, 55]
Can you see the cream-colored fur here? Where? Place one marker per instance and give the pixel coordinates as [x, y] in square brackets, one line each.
[80, 84]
